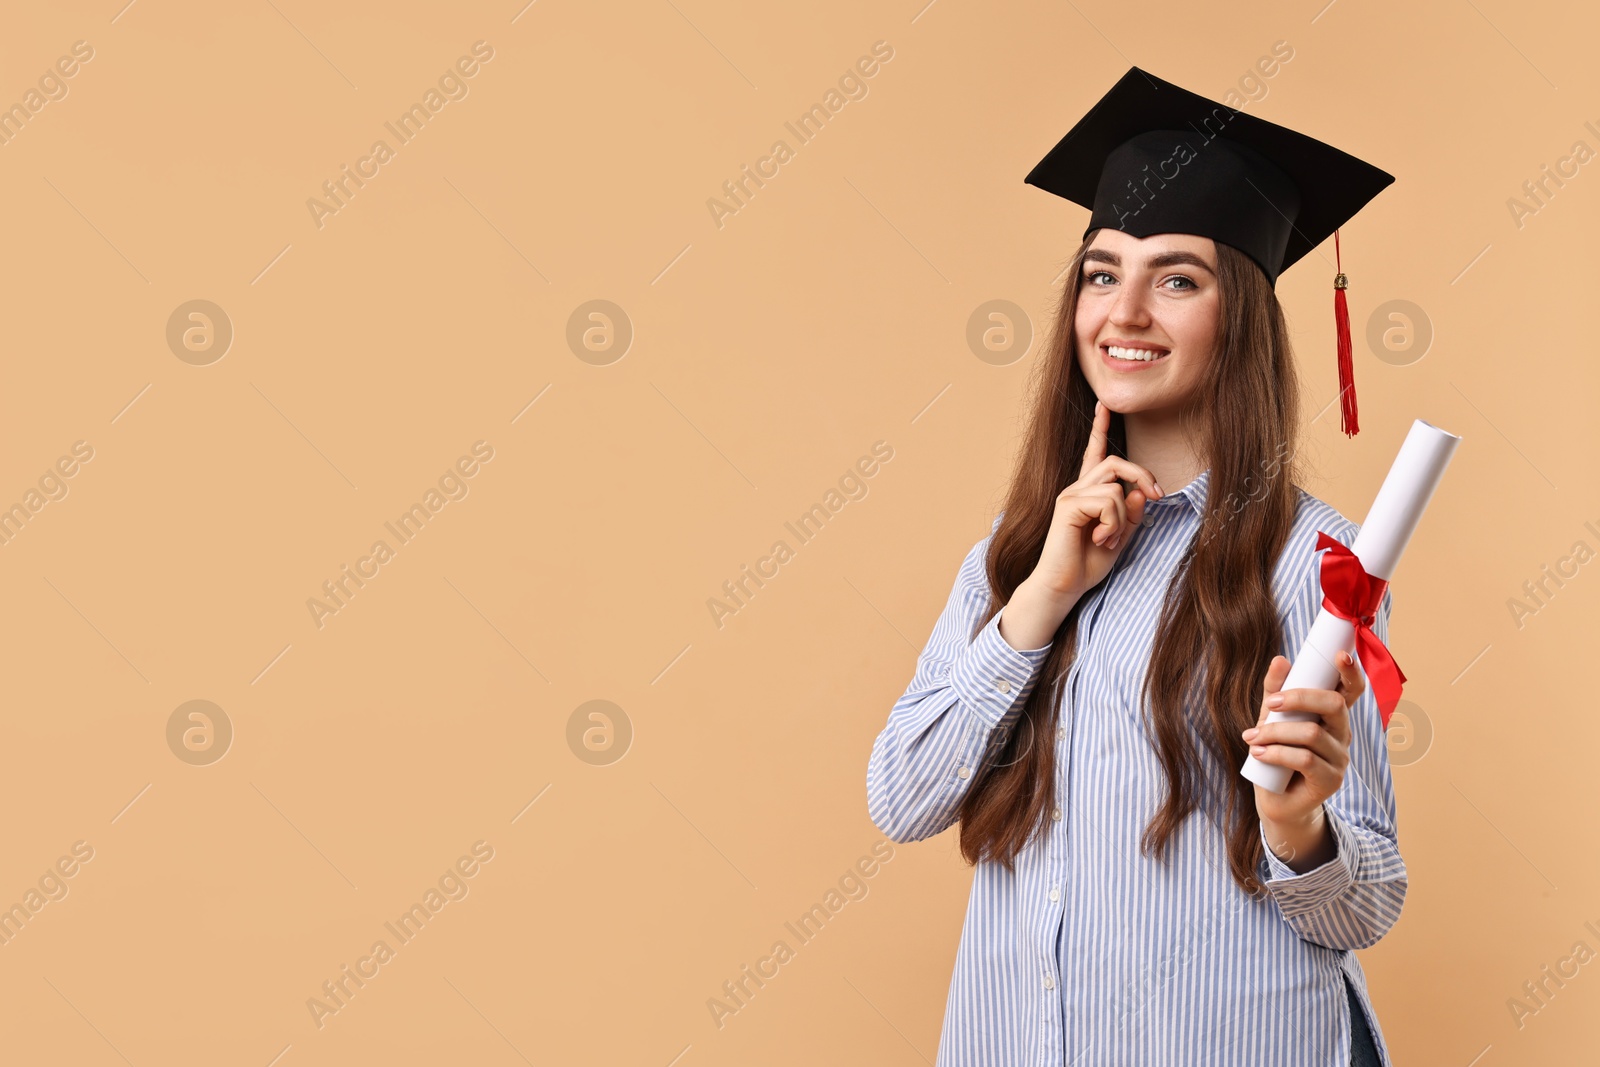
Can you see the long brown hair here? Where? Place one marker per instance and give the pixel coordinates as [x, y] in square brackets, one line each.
[1219, 623]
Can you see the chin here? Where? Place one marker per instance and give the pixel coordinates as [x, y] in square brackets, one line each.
[1132, 402]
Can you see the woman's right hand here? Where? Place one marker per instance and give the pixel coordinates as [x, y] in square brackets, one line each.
[1094, 520]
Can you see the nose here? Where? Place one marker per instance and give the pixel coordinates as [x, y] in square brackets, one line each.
[1130, 308]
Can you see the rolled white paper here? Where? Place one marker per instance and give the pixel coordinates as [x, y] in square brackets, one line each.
[1379, 544]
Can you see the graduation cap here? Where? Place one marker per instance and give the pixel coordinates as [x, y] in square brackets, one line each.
[1151, 157]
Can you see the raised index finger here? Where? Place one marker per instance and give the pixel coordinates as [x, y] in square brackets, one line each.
[1096, 451]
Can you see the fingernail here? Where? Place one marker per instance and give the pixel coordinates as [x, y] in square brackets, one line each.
[1250, 734]
[1160, 491]
[1275, 700]
[1256, 750]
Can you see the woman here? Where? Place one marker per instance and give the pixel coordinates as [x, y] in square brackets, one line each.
[1104, 664]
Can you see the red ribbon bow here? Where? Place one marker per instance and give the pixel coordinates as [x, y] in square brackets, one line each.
[1352, 594]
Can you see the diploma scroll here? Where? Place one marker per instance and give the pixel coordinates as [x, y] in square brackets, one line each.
[1378, 546]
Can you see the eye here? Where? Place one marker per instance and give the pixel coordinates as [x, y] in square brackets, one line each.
[1184, 278]
[1090, 276]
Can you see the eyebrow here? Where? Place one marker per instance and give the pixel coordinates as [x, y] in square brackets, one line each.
[1165, 259]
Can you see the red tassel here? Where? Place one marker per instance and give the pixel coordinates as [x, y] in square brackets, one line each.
[1341, 324]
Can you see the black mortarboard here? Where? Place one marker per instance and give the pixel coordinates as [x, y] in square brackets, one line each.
[1151, 157]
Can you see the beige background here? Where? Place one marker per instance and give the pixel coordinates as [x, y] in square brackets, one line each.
[431, 312]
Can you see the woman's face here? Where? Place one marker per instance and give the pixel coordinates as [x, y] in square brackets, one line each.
[1157, 295]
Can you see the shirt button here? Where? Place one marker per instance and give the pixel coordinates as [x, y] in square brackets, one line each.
[1049, 982]
[1056, 815]
[1003, 684]
[1061, 733]
[1055, 893]
[963, 772]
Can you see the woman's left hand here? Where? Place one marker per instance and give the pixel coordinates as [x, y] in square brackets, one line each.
[1320, 751]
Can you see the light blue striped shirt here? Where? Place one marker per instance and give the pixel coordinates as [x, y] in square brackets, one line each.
[1090, 952]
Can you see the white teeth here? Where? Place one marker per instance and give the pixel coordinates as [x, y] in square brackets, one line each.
[1143, 355]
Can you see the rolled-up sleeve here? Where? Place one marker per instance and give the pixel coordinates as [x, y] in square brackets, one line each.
[1354, 898]
[967, 686]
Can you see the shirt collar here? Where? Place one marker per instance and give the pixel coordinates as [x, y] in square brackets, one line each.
[1194, 494]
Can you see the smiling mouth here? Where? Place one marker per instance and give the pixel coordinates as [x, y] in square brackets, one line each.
[1135, 355]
